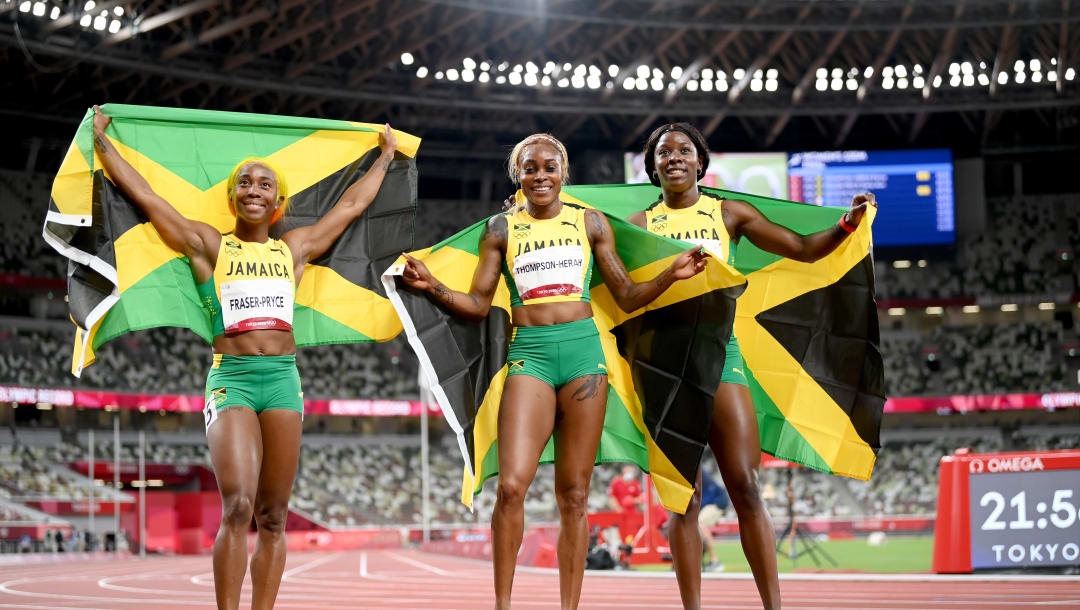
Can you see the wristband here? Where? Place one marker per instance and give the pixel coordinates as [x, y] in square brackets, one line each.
[845, 226]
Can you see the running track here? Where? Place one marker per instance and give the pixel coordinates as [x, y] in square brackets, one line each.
[410, 579]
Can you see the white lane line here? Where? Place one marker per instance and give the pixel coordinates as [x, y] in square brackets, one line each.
[307, 566]
[421, 565]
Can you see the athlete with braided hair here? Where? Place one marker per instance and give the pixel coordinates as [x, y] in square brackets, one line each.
[556, 373]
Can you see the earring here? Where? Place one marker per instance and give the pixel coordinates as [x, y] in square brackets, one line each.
[655, 176]
[699, 173]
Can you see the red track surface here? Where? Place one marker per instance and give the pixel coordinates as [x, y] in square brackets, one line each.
[409, 579]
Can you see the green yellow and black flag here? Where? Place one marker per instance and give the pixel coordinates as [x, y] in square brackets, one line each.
[121, 275]
[808, 333]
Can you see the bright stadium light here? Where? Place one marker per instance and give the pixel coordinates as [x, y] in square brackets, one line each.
[706, 85]
[676, 72]
[25, 6]
[1036, 77]
[1018, 66]
[887, 72]
[771, 84]
[738, 74]
[643, 71]
[518, 67]
[439, 75]
[691, 85]
[852, 84]
[935, 310]
[1035, 65]
[955, 80]
[545, 81]
[721, 85]
[469, 63]
[485, 66]
[969, 80]
[721, 75]
[901, 264]
[822, 84]
[114, 26]
[500, 80]
[971, 309]
[1010, 307]
[918, 82]
[1051, 76]
[531, 68]
[567, 66]
[838, 84]
[503, 66]
[118, 11]
[772, 73]
[657, 73]
[1046, 306]
[407, 59]
[578, 81]
[822, 73]
[917, 68]
[515, 78]
[39, 9]
[901, 71]
[89, 6]
[422, 72]
[897, 311]
[1003, 77]
[707, 74]
[530, 79]
[452, 74]
[628, 83]
[1020, 77]
[581, 69]
[755, 84]
[595, 71]
[54, 13]
[657, 84]
[593, 81]
[867, 73]
[984, 80]
[937, 81]
[954, 69]
[100, 22]
[613, 70]
[563, 82]
[836, 73]
[1070, 74]
[886, 83]
[901, 83]
[642, 84]
[550, 67]
[966, 67]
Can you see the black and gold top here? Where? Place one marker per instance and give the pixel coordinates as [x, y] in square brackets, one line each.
[547, 261]
[701, 224]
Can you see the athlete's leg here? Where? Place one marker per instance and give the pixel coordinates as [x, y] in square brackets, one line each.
[579, 424]
[236, 450]
[685, 540]
[526, 419]
[281, 430]
[733, 437]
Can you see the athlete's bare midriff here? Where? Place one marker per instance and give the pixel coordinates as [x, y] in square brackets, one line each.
[256, 343]
[547, 314]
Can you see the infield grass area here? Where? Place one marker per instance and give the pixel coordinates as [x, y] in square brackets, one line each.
[898, 554]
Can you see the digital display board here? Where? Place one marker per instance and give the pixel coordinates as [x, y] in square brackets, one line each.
[914, 190]
[763, 174]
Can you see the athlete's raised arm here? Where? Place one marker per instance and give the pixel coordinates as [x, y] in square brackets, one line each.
[197, 240]
[771, 237]
[312, 241]
[631, 295]
[472, 305]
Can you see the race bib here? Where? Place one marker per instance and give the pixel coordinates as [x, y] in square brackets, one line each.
[259, 304]
[550, 272]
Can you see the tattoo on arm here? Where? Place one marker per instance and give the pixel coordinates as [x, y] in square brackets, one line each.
[589, 389]
[445, 294]
[615, 269]
[102, 142]
[594, 223]
[384, 162]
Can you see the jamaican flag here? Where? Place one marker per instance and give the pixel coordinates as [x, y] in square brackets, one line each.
[122, 276]
[808, 333]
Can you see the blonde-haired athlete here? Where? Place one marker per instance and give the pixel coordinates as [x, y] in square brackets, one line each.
[556, 374]
[254, 405]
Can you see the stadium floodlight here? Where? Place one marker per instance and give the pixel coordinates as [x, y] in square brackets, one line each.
[1018, 66]
[485, 66]
[54, 13]
[1051, 76]
[969, 80]
[822, 84]
[897, 311]
[567, 66]
[25, 6]
[518, 67]
[757, 74]
[955, 80]
[887, 72]
[867, 73]
[706, 85]
[657, 84]
[1003, 77]
[739, 73]
[971, 309]
[886, 83]
[836, 73]
[531, 68]
[771, 84]
[530, 79]
[39, 9]
[545, 81]
[101, 22]
[721, 85]
[500, 80]
[422, 72]
[452, 74]
[901, 264]
[838, 84]
[578, 81]
[1020, 78]
[921, 263]
[954, 69]
[642, 84]
[917, 68]
[966, 68]
[676, 72]
[595, 71]
[755, 84]
[657, 73]
[89, 6]
[407, 59]
[691, 85]
[468, 62]
[643, 71]
[439, 75]
[1035, 65]
[581, 70]
[918, 82]
[628, 83]
[1046, 306]
[1010, 307]
[1070, 74]
[901, 83]
[1036, 77]
[982, 65]
[563, 82]
[822, 73]
[900, 71]
[515, 78]
[114, 26]
[707, 73]
[503, 66]
[550, 67]
[984, 80]
[935, 310]
[118, 11]
[721, 74]
[613, 70]
[853, 84]
[593, 81]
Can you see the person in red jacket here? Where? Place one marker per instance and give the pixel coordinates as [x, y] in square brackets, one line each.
[625, 491]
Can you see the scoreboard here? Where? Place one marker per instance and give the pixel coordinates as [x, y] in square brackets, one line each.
[1008, 511]
[914, 190]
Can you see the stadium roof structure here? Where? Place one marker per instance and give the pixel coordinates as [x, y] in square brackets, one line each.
[756, 74]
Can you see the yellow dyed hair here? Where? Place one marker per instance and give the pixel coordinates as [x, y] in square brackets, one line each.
[515, 155]
[282, 186]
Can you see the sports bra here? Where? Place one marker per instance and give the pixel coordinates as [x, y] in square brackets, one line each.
[252, 287]
[549, 260]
